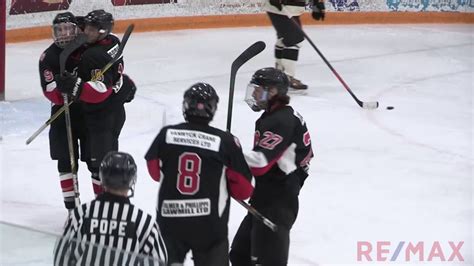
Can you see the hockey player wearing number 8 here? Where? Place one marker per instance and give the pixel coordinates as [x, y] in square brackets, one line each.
[198, 166]
[102, 99]
[65, 29]
[279, 161]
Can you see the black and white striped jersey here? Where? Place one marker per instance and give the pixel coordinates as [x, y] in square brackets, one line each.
[110, 231]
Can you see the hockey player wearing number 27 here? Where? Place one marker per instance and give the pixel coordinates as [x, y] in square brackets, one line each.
[280, 163]
[198, 167]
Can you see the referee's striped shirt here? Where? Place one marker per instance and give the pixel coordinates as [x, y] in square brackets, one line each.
[110, 231]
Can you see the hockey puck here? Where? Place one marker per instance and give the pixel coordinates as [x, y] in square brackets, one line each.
[390, 107]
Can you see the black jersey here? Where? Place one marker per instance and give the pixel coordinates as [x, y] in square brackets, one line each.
[113, 88]
[49, 66]
[110, 231]
[199, 166]
[280, 157]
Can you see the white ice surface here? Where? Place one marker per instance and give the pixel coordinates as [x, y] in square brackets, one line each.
[378, 175]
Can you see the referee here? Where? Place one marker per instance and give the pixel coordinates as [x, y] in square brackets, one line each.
[110, 230]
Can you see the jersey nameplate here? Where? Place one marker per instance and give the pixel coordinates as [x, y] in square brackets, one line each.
[110, 227]
[113, 51]
[193, 138]
[186, 208]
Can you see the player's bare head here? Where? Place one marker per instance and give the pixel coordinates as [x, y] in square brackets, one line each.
[118, 172]
[64, 29]
[200, 103]
[97, 25]
[267, 86]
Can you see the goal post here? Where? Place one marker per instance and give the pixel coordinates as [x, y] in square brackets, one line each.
[3, 22]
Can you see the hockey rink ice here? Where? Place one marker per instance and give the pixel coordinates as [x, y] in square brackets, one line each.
[401, 175]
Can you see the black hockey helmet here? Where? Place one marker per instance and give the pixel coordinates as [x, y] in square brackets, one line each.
[65, 17]
[81, 23]
[64, 29]
[271, 77]
[200, 101]
[102, 20]
[118, 171]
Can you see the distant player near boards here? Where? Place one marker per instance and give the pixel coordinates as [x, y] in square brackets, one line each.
[289, 39]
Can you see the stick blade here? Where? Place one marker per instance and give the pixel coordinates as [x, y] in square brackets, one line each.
[125, 37]
[248, 54]
[245, 56]
[370, 105]
[80, 40]
[123, 42]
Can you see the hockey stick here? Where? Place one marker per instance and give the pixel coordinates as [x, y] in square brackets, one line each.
[365, 105]
[70, 144]
[97, 76]
[68, 50]
[248, 54]
[245, 56]
[259, 216]
[117, 56]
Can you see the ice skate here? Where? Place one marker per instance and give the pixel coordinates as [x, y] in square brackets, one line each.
[296, 86]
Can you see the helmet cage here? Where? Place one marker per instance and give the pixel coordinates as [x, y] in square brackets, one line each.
[64, 32]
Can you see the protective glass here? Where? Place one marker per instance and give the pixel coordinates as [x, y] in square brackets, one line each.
[256, 97]
[64, 33]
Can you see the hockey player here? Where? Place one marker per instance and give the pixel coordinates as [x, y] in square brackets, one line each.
[289, 39]
[279, 161]
[110, 230]
[65, 29]
[198, 166]
[103, 99]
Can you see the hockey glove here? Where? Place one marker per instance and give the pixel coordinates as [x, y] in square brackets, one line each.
[69, 84]
[131, 85]
[276, 3]
[319, 10]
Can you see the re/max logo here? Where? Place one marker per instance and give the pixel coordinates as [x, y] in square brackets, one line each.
[409, 251]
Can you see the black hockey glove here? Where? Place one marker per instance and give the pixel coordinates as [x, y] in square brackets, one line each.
[69, 84]
[277, 4]
[302, 173]
[319, 10]
[131, 85]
